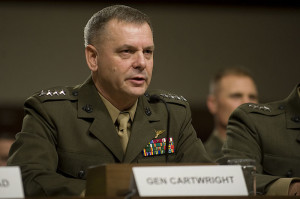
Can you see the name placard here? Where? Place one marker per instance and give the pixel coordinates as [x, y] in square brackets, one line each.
[11, 183]
[214, 180]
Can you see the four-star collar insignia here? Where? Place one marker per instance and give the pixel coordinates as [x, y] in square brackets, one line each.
[52, 93]
[171, 96]
[255, 106]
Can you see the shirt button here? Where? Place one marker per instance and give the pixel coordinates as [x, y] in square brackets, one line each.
[296, 119]
[81, 174]
[289, 173]
[88, 108]
[74, 93]
[148, 111]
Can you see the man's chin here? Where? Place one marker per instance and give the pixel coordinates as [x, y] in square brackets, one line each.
[136, 92]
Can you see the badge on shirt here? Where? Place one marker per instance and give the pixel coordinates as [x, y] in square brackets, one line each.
[158, 147]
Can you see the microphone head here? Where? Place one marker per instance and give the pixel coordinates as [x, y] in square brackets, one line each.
[154, 98]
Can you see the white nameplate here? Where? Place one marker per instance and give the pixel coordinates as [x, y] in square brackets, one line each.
[211, 180]
[11, 183]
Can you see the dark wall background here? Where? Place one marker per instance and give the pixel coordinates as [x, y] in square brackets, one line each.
[41, 45]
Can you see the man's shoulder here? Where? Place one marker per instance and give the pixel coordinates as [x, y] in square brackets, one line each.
[168, 97]
[272, 108]
[56, 93]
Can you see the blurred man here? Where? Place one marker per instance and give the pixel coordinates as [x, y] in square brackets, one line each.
[110, 118]
[6, 140]
[270, 134]
[229, 88]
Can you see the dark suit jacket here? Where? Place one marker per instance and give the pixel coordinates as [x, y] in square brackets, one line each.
[68, 129]
[268, 133]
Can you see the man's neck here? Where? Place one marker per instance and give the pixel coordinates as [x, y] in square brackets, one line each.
[221, 132]
[121, 104]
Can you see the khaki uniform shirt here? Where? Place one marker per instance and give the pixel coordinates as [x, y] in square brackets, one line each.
[213, 145]
[270, 134]
[68, 129]
[114, 113]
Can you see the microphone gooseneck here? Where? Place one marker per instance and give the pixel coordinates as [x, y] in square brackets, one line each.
[155, 99]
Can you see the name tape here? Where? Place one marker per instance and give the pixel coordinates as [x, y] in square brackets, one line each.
[190, 181]
[11, 183]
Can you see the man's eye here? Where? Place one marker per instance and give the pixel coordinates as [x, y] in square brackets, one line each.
[148, 51]
[236, 96]
[125, 51]
[253, 97]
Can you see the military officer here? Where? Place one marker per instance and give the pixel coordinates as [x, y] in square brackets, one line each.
[110, 118]
[229, 88]
[270, 134]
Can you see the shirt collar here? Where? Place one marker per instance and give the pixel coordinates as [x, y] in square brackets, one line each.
[114, 112]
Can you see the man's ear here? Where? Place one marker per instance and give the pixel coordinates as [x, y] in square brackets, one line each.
[91, 55]
[212, 104]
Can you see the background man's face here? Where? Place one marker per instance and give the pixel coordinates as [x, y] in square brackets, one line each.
[233, 91]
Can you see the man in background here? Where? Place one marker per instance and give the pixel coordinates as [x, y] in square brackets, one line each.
[6, 140]
[269, 134]
[229, 88]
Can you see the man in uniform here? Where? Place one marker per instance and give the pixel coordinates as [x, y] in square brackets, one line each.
[110, 118]
[269, 134]
[229, 88]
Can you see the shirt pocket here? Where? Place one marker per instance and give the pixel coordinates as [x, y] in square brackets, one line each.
[156, 158]
[281, 166]
[75, 165]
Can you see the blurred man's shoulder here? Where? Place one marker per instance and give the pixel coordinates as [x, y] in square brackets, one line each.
[272, 108]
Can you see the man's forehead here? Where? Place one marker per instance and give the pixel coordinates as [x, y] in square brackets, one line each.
[115, 30]
[117, 24]
[234, 83]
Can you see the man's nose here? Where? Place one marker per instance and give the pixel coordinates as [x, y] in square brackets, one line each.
[140, 60]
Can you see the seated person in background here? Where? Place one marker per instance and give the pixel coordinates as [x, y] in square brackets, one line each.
[110, 118]
[269, 134]
[229, 88]
[6, 140]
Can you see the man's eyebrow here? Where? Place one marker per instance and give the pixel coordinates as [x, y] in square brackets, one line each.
[150, 47]
[131, 46]
[253, 95]
[236, 94]
[126, 46]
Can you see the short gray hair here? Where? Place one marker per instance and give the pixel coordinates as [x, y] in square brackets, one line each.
[97, 22]
[235, 70]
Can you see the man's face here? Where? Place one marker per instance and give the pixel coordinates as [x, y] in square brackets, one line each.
[233, 91]
[125, 60]
[5, 145]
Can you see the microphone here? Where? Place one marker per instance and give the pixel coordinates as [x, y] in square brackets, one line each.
[155, 99]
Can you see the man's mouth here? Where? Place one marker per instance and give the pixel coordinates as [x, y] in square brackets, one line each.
[137, 80]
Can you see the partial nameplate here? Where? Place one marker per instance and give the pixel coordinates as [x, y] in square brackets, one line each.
[190, 181]
[11, 183]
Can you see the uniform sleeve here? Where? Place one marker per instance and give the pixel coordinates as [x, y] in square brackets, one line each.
[190, 147]
[243, 141]
[35, 152]
[279, 187]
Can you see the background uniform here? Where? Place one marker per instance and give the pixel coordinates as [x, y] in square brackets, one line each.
[68, 129]
[213, 145]
[270, 134]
